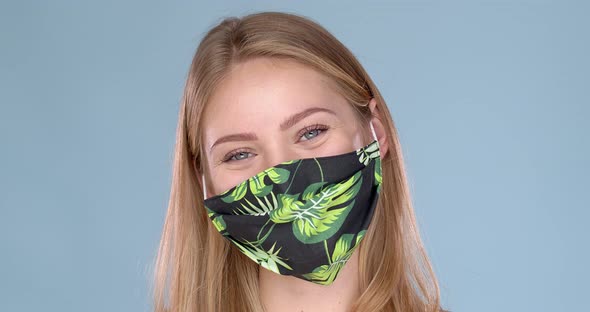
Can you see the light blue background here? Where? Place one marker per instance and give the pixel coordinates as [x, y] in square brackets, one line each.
[490, 98]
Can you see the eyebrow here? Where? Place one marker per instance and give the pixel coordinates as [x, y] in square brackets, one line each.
[288, 123]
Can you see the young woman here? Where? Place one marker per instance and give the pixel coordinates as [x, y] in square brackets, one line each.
[288, 191]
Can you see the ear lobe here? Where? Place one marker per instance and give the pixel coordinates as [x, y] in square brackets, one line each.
[379, 128]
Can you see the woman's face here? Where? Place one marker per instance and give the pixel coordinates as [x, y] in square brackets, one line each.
[269, 111]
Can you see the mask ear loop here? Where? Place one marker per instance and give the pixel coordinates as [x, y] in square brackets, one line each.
[204, 187]
[373, 131]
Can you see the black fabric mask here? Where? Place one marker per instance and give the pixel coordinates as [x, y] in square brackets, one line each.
[302, 217]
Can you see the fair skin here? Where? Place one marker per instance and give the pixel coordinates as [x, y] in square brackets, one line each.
[254, 101]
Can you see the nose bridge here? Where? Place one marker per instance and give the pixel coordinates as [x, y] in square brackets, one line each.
[278, 151]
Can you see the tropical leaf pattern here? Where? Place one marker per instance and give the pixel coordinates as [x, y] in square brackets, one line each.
[367, 153]
[260, 209]
[267, 259]
[326, 273]
[217, 220]
[312, 220]
[302, 217]
[257, 184]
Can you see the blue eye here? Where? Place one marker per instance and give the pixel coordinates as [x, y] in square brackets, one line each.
[236, 155]
[312, 132]
[306, 134]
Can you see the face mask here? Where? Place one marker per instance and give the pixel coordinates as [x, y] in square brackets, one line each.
[302, 217]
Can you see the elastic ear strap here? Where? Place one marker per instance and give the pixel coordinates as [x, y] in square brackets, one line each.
[373, 130]
[204, 187]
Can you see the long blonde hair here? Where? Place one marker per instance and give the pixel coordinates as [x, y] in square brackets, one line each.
[196, 269]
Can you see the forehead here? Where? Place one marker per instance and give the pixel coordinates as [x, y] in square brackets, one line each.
[269, 83]
[265, 90]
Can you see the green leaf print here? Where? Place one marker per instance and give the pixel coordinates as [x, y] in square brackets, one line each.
[378, 177]
[311, 190]
[267, 259]
[257, 185]
[218, 221]
[236, 194]
[369, 152]
[261, 209]
[359, 236]
[278, 175]
[343, 249]
[312, 220]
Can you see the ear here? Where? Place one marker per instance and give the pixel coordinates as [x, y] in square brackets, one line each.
[379, 128]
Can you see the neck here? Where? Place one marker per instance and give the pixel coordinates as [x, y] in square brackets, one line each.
[288, 293]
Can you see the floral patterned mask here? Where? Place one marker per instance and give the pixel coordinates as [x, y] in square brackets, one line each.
[302, 217]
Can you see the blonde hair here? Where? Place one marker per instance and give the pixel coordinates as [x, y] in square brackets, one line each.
[196, 269]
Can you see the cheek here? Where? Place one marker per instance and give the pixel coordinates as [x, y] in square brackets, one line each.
[341, 143]
[222, 179]
[337, 147]
[221, 183]
[334, 144]
[227, 179]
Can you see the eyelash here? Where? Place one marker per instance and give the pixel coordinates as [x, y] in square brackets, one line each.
[320, 127]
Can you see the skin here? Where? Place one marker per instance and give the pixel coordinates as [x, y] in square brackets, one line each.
[256, 97]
